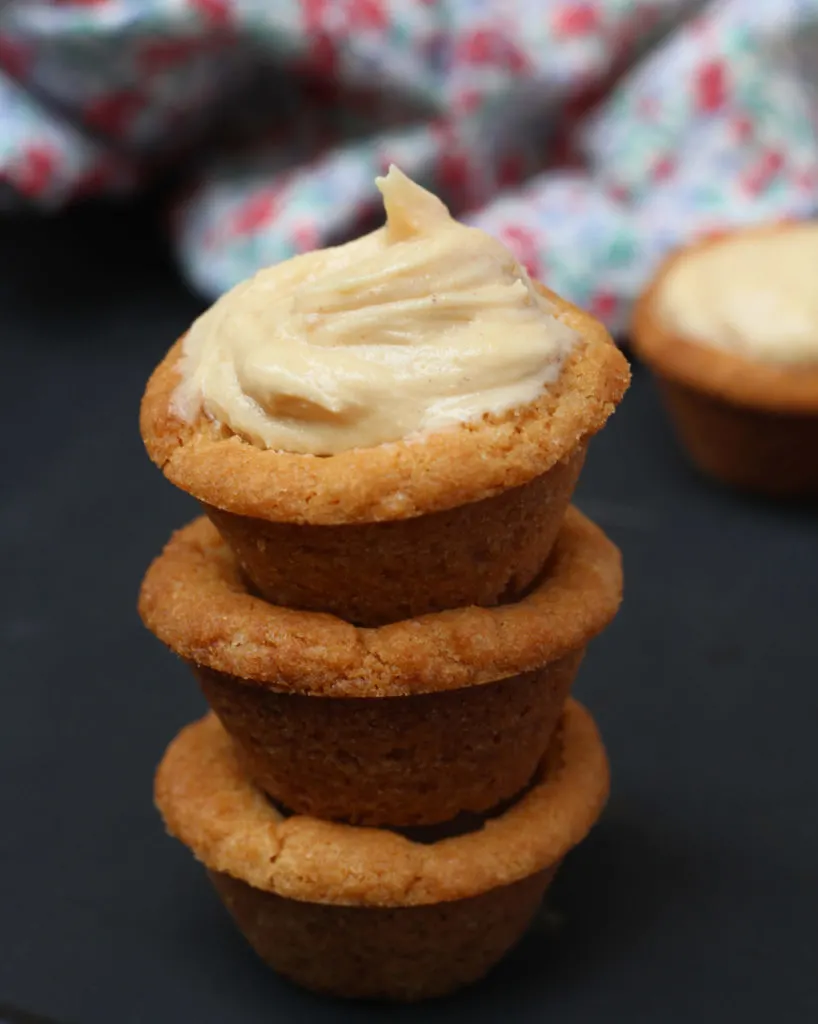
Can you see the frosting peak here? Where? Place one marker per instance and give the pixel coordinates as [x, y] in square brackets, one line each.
[420, 325]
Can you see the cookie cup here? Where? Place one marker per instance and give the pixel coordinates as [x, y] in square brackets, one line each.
[375, 535]
[407, 724]
[749, 424]
[368, 913]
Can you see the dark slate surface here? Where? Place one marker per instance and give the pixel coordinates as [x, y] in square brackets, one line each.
[694, 900]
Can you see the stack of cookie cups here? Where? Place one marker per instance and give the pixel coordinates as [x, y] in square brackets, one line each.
[392, 769]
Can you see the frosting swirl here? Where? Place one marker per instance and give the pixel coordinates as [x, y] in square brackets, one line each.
[420, 325]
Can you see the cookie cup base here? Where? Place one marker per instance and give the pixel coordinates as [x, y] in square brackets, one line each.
[376, 573]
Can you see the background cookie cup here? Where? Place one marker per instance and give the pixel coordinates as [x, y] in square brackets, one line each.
[374, 535]
[407, 724]
[368, 913]
[748, 423]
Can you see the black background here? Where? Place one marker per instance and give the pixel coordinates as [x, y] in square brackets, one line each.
[696, 898]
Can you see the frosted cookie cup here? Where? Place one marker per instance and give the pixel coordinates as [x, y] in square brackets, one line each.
[369, 913]
[731, 335]
[409, 724]
[403, 432]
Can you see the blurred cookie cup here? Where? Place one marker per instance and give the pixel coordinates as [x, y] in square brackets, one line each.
[729, 327]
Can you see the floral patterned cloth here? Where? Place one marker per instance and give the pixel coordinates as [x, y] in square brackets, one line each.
[589, 136]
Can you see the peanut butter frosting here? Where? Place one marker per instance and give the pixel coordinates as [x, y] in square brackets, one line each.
[420, 325]
[754, 294]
